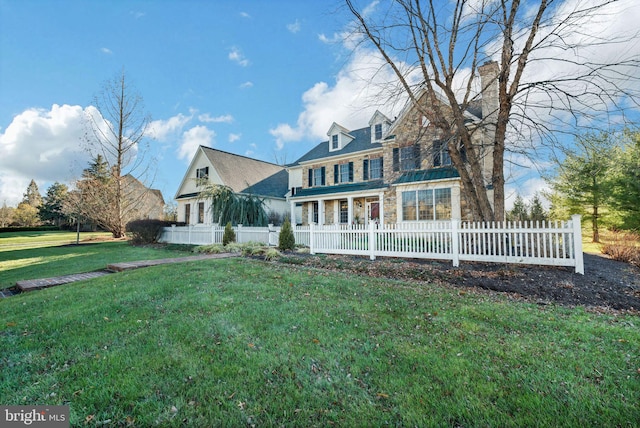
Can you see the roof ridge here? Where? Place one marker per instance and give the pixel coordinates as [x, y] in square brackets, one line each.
[241, 156]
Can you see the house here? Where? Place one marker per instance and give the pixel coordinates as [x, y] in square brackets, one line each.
[391, 171]
[141, 201]
[242, 174]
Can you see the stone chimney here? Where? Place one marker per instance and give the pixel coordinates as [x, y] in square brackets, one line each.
[489, 86]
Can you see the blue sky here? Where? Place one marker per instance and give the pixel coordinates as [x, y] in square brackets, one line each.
[223, 73]
[264, 79]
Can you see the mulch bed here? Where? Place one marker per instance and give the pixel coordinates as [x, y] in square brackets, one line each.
[606, 286]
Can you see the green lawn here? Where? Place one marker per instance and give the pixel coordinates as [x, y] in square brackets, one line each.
[239, 342]
[33, 255]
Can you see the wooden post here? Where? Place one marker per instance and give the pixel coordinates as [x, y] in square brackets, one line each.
[577, 243]
[455, 240]
[372, 240]
[311, 241]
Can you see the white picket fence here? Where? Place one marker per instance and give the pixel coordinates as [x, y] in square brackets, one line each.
[539, 243]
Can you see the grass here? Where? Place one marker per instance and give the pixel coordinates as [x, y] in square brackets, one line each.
[238, 342]
[38, 255]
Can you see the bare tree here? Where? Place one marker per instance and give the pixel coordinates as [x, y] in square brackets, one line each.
[548, 75]
[118, 131]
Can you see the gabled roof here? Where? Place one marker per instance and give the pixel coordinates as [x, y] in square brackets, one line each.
[361, 141]
[239, 172]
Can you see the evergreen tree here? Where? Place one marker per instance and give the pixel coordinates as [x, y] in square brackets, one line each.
[536, 210]
[52, 208]
[32, 195]
[519, 212]
[286, 240]
[229, 235]
[625, 181]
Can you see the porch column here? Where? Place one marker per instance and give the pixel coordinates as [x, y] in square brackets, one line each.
[292, 214]
[350, 209]
[381, 207]
[309, 212]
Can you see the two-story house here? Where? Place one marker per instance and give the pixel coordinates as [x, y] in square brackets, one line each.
[389, 171]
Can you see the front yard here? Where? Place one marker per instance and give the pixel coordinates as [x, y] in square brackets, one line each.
[241, 342]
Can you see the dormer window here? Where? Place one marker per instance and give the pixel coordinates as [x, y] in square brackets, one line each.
[334, 142]
[339, 137]
[378, 131]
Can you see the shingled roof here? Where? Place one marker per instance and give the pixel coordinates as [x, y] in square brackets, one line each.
[240, 172]
[361, 141]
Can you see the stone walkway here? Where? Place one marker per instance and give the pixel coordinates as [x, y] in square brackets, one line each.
[35, 284]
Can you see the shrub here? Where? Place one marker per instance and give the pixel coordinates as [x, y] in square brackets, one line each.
[229, 235]
[286, 240]
[624, 247]
[147, 231]
[210, 249]
[271, 254]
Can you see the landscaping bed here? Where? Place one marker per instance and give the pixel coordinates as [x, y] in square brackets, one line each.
[607, 285]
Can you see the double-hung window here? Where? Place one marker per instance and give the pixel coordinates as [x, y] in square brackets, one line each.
[406, 158]
[426, 204]
[343, 173]
[200, 212]
[202, 174]
[372, 169]
[334, 142]
[441, 155]
[316, 177]
[344, 212]
[377, 129]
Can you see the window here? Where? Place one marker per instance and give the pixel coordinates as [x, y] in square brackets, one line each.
[372, 169]
[344, 212]
[187, 213]
[343, 173]
[202, 174]
[378, 131]
[316, 177]
[426, 204]
[334, 142]
[440, 154]
[200, 212]
[315, 212]
[406, 158]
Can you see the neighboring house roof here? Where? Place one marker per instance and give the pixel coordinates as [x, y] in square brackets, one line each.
[361, 141]
[340, 188]
[240, 172]
[427, 175]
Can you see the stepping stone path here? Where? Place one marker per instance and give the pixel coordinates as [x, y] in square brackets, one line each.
[36, 284]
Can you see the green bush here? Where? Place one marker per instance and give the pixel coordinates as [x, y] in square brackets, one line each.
[286, 240]
[229, 235]
[141, 232]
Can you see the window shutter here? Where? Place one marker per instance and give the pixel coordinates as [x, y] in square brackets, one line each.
[310, 177]
[365, 170]
[206, 171]
[336, 174]
[396, 159]
[350, 172]
[381, 167]
[322, 176]
[416, 155]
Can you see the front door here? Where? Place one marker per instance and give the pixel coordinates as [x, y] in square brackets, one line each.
[373, 211]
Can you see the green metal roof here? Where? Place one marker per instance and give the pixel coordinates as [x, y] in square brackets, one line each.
[428, 175]
[341, 188]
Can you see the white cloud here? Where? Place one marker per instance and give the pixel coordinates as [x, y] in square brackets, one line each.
[207, 118]
[106, 51]
[294, 27]
[44, 145]
[234, 137]
[360, 88]
[192, 139]
[245, 15]
[238, 57]
[163, 130]
[246, 85]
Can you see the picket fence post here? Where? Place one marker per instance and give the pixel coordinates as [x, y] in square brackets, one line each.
[311, 240]
[455, 224]
[577, 243]
[372, 241]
